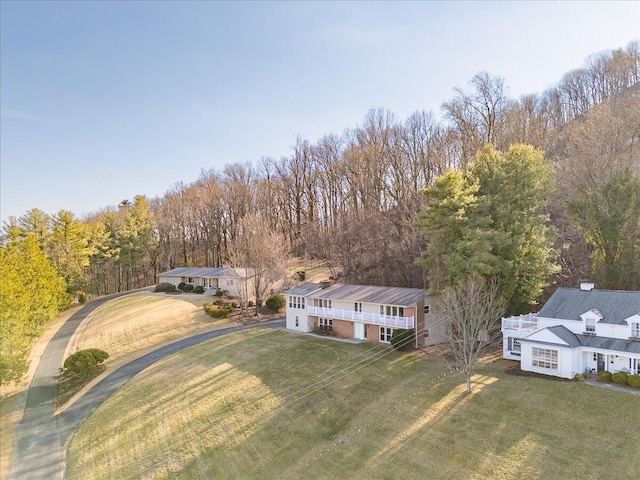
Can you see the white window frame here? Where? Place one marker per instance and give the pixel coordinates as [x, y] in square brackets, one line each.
[635, 329]
[385, 334]
[590, 325]
[297, 321]
[514, 346]
[544, 358]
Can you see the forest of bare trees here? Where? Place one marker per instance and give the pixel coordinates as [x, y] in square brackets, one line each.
[350, 200]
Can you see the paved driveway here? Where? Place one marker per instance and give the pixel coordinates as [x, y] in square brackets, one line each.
[41, 437]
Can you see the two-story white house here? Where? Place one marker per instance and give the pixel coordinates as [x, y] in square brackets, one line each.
[363, 312]
[577, 331]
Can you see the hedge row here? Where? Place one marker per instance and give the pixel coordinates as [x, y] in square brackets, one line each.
[620, 378]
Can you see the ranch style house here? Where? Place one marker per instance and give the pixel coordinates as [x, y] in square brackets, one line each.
[235, 281]
[581, 330]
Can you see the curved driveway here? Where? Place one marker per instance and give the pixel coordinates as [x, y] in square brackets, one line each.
[39, 447]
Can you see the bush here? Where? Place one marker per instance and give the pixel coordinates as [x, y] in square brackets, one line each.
[165, 287]
[216, 311]
[188, 288]
[402, 339]
[220, 292]
[250, 303]
[82, 298]
[301, 275]
[181, 286]
[633, 381]
[604, 376]
[199, 289]
[276, 302]
[580, 376]
[85, 362]
[620, 378]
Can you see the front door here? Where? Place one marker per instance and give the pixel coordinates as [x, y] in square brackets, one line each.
[600, 362]
[358, 330]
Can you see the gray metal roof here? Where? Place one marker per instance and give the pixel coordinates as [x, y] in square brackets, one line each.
[404, 297]
[570, 303]
[303, 290]
[208, 272]
[574, 341]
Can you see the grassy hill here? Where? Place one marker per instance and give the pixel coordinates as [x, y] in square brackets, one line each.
[265, 404]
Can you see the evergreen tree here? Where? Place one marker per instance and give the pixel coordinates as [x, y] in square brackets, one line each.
[488, 220]
[31, 293]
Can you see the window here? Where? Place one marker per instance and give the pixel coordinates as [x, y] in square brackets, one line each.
[427, 309]
[297, 321]
[590, 325]
[391, 311]
[357, 306]
[544, 358]
[325, 324]
[635, 329]
[427, 333]
[514, 346]
[302, 302]
[385, 334]
[190, 280]
[325, 303]
[290, 301]
[595, 357]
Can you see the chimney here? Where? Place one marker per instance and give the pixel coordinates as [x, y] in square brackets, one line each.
[586, 286]
[325, 283]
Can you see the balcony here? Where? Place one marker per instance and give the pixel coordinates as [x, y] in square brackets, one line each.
[364, 317]
[520, 322]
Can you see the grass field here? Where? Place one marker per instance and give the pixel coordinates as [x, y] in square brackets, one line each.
[135, 322]
[264, 404]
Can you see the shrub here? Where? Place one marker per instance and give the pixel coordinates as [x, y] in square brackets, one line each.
[620, 378]
[604, 376]
[216, 311]
[82, 298]
[199, 289]
[165, 287]
[276, 302]
[85, 362]
[234, 305]
[181, 286]
[580, 376]
[402, 339]
[250, 303]
[633, 381]
[220, 292]
[301, 275]
[188, 288]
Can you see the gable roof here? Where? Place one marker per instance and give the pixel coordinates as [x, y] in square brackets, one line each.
[573, 341]
[614, 305]
[303, 290]
[209, 272]
[404, 297]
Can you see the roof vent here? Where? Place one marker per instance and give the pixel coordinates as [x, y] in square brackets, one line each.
[586, 286]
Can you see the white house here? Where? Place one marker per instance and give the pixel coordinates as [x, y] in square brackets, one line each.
[238, 282]
[363, 312]
[577, 331]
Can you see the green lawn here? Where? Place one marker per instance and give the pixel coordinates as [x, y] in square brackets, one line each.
[270, 405]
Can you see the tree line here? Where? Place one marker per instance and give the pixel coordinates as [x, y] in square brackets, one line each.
[354, 201]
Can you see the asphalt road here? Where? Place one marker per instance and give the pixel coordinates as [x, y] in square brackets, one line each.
[41, 437]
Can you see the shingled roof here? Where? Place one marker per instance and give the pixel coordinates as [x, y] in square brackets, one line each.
[573, 341]
[614, 305]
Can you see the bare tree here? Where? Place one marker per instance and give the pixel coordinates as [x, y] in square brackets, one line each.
[473, 311]
[263, 252]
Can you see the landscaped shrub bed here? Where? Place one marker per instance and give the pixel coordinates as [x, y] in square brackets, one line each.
[604, 376]
[165, 287]
[620, 378]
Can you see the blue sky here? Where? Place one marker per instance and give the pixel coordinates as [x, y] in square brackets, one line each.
[101, 101]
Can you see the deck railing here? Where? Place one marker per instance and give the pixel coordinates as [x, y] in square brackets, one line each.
[364, 317]
[520, 322]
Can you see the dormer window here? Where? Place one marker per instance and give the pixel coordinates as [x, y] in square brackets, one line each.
[635, 329]
[590, 324]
